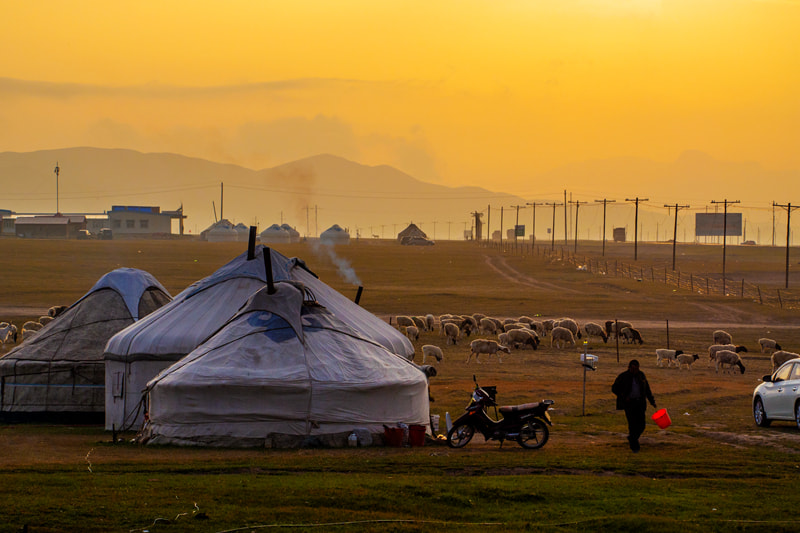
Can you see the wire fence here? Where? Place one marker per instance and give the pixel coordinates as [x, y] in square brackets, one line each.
[708, 285]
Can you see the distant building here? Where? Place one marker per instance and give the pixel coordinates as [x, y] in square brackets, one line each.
[6, 222]
[50, 226]
[143, 220]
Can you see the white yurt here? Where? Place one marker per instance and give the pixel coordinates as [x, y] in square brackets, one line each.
[222, 231]
[334, 235]
[135, 355]
[294, 235]
[242, 232]
[61, 369]
[283, 372]
[275, 235]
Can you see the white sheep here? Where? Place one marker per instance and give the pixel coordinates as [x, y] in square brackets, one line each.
[523, 337]
[714, 348]
[613, 325]
[631, 335]
[595, 330]
[686, 360]
[56, 310]
[29, 333]
[32, 325]
[420, 322]
[539, 328]
[780, 357]
[570, 324]
[560, 337]
[429, 350]
[403, 321]
[670, 356]
[722, 337]
[513, 325]
[412, 332]
[487, 326]
[548, 324]
[7, 332]
[445, 321]
[452, 332]
[728, 357]
[44, 320]
[486, 346]
[429, 321]
[503, 339]
[768, 344]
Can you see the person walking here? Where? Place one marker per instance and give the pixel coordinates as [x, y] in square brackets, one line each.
[633, 392]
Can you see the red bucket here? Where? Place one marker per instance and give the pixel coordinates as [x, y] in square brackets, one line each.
[662, 418]
[393, 437]
[416, 435]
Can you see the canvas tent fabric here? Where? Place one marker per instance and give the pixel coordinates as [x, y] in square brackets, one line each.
[335, 235]
[281, 371]
[139, 352]
[61, 368]
[412, 235]
[275, 235]
[294, 235]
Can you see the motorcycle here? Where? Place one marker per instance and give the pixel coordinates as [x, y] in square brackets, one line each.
[527, 423]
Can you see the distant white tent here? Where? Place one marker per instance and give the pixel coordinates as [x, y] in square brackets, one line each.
[61, 369]
[294, 235]
[335, 235]
[282, 371]
[275, 235]
[136, 354]
[242, 232]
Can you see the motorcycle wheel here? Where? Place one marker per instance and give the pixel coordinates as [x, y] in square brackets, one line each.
[460, 435]
[533, 434]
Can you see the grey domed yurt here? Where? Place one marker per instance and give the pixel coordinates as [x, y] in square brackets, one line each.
[242, 232]
[275, 235]
[58, 374]
[283, 372]
[334, 235]
[138, 353]
[294, 235]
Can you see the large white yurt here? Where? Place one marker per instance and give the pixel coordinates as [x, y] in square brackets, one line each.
[222, 231]
[283, 372]
[59, 373]
[242, 232]
[275, 235]
[136, 354]
[294, 235]
[334, 235]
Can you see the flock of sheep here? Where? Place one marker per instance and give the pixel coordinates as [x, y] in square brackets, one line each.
[516, 333]
[11, 334]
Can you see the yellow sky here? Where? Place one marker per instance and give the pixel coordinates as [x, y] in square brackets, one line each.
[479, 92]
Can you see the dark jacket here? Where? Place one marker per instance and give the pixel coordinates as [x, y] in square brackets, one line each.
[622, 389]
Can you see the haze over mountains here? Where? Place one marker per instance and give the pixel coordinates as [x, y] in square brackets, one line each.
[314, 193]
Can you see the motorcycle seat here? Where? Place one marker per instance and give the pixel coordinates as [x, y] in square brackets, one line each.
[517, 408]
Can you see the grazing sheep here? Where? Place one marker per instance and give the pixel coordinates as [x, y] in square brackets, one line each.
[722, 337]
[56, 310]
[503, 339]
[478, 317]
[768, 344]
[595, 330]
[487, 326]
[560, 337]
[468, 325]
[539, 328]
[403, 321]
[429, 350]
[513, 325]
[570, 324]
[613, 325]
[665, 354]
[687, 360]
[549, 324]
[443, 323]
[28, 333]
[525, 320]
[32, 326]
[44, 320]
[714, 348]
[631, 335]
[489, 347]
[8, 331]
[727, 357]
[523, 337]
[453, 332]
[429, 321]
[780, 357]
[412, 332]
[420, 323]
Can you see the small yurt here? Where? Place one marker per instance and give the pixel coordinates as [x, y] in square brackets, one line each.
[294, 235]
[222, 231]
[60, 370]
[137, 354]
[283, 372]
[334, 235]
[242, 232]
[275, 235]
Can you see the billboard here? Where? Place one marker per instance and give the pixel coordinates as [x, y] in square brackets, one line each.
[713, 225]
[519, 230]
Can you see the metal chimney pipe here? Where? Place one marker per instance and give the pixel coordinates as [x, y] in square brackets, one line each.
[358, 294]
[268, 269]
[251, 244]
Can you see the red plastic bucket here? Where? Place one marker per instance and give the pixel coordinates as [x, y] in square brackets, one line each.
[662, 418]
[393, 437]
[416, 435]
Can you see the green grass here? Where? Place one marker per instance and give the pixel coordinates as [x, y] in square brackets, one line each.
[712, 470]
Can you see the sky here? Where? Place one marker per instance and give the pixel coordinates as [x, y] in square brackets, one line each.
[467, 92]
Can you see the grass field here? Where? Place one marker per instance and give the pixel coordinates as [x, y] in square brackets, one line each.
[712, 470]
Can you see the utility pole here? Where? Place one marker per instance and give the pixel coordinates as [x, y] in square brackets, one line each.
[434, 230]
[488, 221]
[448, 229]
[308, 224]
[501, 227]
[675, 229]
[788, 208]
[724, 236]
[316, 220]
[57, 171]
[533, 223]
[605, 201]
[516, 224]
[636, 226]
[553, 229]
[577, 208]
[565, 218]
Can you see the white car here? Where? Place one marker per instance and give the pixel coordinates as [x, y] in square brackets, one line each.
[778, 397]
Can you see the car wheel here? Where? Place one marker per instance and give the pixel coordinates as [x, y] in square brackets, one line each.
[760, 415]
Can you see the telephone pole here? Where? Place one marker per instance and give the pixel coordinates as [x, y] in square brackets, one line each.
[605, 201]
[788, 208]
[577, 208]
[724, 235]
[57, 171]
[533, 223]
[553, 229]
[516, 224]
[636, 226]
[675, 229]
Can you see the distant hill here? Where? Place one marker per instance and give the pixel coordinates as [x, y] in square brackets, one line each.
[310, 194]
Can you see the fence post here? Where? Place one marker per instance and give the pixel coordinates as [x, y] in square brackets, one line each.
[759, 295]
[742, 287]
[708, 291]
[780, 302]
[679, 278]
[652, 274]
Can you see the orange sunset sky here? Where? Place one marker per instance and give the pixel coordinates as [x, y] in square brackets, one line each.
[451, 92]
